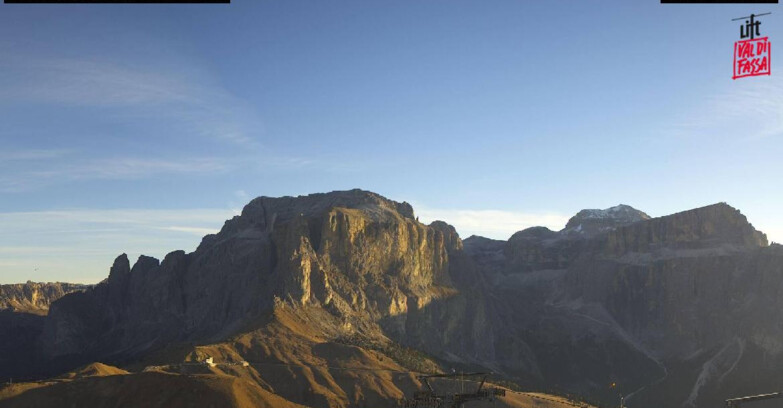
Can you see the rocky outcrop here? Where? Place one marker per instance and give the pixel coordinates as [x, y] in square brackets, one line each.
[707, 227]
[591, 222]
[695, 288]
[539, 248]
[632, 300]
[616, 296]
[23, 311]
[34, 297]
[360, 256]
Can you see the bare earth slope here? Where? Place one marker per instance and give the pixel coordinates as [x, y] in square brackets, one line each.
[291, 363]
[147, 389]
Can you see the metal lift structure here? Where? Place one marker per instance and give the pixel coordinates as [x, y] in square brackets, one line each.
[740, 402]
[428, 398]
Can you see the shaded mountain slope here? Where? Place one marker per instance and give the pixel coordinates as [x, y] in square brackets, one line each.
[290, 362]
[337, 299]
[362, 262]
[685, 301]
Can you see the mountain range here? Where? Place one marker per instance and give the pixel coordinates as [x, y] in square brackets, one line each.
[340, 299]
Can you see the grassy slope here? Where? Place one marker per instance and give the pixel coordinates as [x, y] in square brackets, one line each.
[294, 362]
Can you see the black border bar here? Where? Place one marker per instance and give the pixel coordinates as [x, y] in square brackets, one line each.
[117, 1]
[719, 1]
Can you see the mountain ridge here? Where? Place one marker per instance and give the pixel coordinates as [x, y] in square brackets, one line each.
[543, 308]
[35, 297]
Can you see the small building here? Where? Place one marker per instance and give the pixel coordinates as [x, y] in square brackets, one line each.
[210, 361]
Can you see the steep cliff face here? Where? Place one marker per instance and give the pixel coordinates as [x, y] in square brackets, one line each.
[698, 291]
[677, 275]
[635, 301]
[23, 310]
[717, 225]
[539, 248]
[34, 297]
[354, 253]
[673, 309]
[695, 289]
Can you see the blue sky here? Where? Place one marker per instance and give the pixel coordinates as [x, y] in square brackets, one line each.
[140, 128]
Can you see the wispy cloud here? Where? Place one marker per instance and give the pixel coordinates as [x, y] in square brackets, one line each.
[80, 244]
[491, 223]
[185, 98]
[90, 83]
[18, 179]
[748, 110]
[192, 230]
[32, 154]
[120, 168]
[219, 131]
[119, 218]
[27, 170]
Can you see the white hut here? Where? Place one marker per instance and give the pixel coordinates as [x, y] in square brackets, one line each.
[210, 361]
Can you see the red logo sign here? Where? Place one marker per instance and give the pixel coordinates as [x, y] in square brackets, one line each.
[752, 57]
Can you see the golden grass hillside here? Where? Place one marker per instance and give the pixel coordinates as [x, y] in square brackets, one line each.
[295, 358]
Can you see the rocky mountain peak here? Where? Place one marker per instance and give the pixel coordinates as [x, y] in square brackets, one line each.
[710, 226]
[265, 213]
[593, 221]
[357, 254]
[120, 269]
[537, 233]
[450, 235]
[288, 207]
[615, 295]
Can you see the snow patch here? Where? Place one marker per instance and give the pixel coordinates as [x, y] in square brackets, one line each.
[611, 212]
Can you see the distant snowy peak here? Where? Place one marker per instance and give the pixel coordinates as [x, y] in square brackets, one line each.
[618, 211]
[592, 221]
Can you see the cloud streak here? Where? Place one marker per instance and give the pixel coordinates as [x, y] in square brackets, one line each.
[28, 170]
[207, 128]
[750, 110]
[80, 244]
[19, 179]
[90, 83]
[185, 99]
[200, 232]
[32, 154]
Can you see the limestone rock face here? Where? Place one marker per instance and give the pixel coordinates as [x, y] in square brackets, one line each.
[362, 257]
[674, 308]
[591, 222]
[686, 300]
[706, 227]
[678, 310]
[23, 310]
[34, 297]
[450, 235]
[539, 248]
